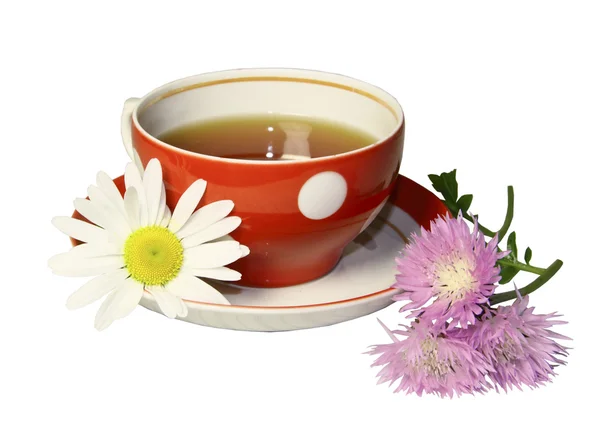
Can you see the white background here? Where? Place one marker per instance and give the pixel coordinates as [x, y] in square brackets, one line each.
[507, 92]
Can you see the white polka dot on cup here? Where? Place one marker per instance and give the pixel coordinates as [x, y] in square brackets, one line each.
[322, 195]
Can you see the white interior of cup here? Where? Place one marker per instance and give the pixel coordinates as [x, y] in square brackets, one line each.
[261, 91]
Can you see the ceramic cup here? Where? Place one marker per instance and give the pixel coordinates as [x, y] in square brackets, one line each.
[297, 215]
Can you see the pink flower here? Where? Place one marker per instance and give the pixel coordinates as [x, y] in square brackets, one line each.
[518, 345]
[450, 265]
[431, 361]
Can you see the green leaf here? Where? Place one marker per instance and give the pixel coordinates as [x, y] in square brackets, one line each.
[512, 246]
[446, 184]
[528, 254]
[437, 183]
[451, 184]
[507, 273]
[464, 202]
[435, 179]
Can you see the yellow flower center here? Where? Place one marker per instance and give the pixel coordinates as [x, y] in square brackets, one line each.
[454, 278]
[153, 255]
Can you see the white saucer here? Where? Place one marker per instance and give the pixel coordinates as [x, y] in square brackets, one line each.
[357, 286]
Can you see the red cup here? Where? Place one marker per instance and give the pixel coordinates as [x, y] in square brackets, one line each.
[298, 215]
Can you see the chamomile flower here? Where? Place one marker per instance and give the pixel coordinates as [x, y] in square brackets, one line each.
[135, 245]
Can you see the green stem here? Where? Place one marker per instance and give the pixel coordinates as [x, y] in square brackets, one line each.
[531, 287]
[454, 210]
[521, 266]
[509, 213]
[486, 231]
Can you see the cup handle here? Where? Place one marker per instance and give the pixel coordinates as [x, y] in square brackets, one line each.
[128, 107]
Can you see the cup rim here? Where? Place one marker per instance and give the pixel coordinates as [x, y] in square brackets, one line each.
[268, 74]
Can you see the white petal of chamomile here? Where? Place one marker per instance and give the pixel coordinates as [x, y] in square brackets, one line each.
[214, 231]
[108, 187]
[162, 206]
[119, 303]
[214, 254]
[187, 204]
[205, 216]
[137, 161]
[113, 212]
[222, 273]
[166, 218]
[153, 183]
[114, 223]
[170, 305]
[89, 250]
[134, 179]
[191, 288]
[82, 231]
[69, 265]
[132, 207]
[96, 288]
